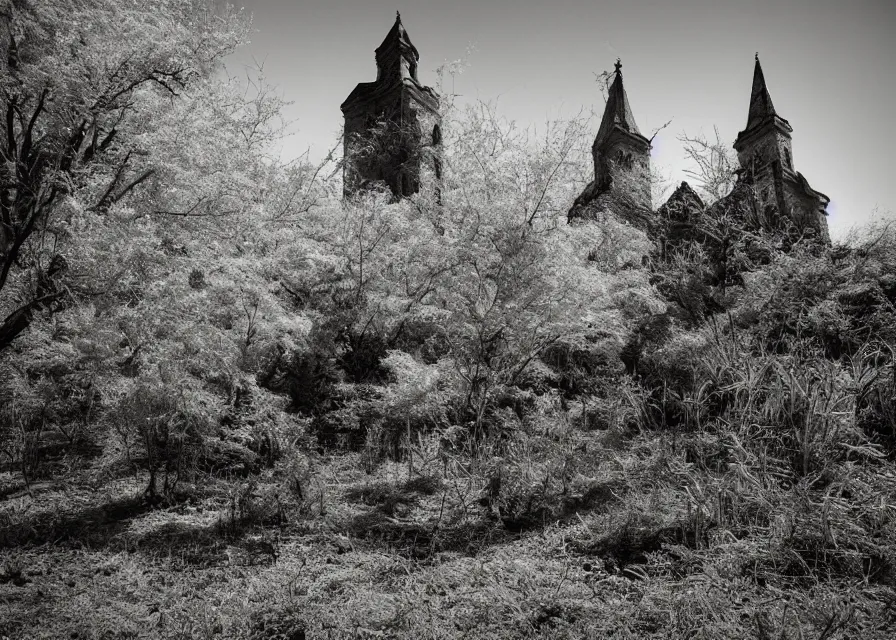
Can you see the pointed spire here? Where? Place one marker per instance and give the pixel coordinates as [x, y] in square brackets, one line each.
[398, 38]
[397, 56]
[618, 112]
[761, 107]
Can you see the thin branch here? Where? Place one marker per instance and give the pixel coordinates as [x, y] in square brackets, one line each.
[143, 177]
[656, 132]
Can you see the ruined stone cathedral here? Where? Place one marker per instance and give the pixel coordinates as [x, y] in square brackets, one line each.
[393, 137]
[765, 153]
[770, 194]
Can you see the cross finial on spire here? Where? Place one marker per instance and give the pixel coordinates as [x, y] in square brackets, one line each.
[757, 56]
[618, 65]
[398, 16]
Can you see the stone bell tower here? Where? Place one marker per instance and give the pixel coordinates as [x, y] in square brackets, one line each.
[765, 153]
[621, 161]
[392, 125]
[618, 142]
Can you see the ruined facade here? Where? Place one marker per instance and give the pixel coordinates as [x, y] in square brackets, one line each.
[770, 194]
[621, 162]
[765, 153]
[392, 125]
[677, 221]
[393, 137]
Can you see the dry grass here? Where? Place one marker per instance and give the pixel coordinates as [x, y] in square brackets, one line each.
[645, 538]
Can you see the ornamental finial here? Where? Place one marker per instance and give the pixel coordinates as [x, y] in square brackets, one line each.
[618, 65]
[397, 16]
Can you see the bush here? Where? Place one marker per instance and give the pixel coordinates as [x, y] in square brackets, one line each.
[163, 429]
[581, 366]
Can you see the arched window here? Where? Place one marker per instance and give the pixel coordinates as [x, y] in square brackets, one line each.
[408, 184]
[437, 143]
[787, 161]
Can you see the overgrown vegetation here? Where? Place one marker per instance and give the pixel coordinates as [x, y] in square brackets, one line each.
[232, 405]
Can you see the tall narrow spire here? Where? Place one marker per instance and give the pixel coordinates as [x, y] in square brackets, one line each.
[765, 153]
[617, 112]
[761, 106]
[762, 116]
[621, 161]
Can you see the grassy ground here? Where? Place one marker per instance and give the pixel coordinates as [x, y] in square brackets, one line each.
[624, 547]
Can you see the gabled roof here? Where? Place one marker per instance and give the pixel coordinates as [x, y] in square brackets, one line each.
[682, 205]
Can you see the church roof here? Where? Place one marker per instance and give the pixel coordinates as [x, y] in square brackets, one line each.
[397, 38]
[821, 198]
[396, 45]
[618, 112]
[761, 106]
[682, 205]
[762, 109]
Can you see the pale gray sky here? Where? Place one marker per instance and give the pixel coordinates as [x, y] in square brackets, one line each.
[829, 66]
